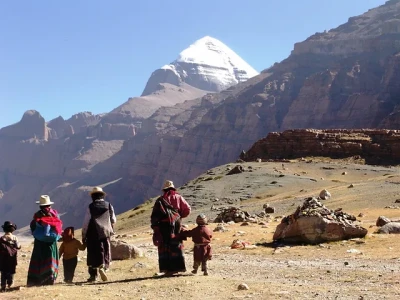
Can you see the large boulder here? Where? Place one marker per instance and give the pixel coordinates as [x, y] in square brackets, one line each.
[121, 250]
[313, 223]
[390, 228]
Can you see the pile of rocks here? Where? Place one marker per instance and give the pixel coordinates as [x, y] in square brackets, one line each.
[313, 207]
[234, 214]
[313, 223]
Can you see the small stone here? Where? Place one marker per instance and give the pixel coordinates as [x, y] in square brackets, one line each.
[243, 286]
[351, 186]
[219, 228]
[382, 220]
[344, 173]
[268, 209]
[325, 194]
[360, 215]
[346, 263]
[353, 251]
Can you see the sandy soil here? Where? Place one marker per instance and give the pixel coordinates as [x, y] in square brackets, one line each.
[326, 271]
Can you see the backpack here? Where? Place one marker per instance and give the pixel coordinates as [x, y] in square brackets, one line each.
[7, 249]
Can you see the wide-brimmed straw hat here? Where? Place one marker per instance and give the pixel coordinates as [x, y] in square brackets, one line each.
[97, 189]
[168, 184]
[44, 200]
[8, 224]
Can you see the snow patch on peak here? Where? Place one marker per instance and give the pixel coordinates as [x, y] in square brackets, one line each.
[207, 64]
[212, 52]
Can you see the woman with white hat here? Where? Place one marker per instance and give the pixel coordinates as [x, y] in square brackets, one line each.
[97, 229]
[166, 217]
[46, 228]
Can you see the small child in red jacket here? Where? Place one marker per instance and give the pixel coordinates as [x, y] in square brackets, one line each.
[201, 237]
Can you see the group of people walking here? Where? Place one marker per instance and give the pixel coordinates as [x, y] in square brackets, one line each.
[46, 228]
[98, 226]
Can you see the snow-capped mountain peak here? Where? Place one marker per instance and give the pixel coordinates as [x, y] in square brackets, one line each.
[207, 64]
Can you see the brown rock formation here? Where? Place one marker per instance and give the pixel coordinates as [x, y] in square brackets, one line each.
[376, 146]
[313, 223]
[165, 95]
[73, 125]
[32, 125]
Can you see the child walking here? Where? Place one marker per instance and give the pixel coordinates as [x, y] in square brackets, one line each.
[70, 248]
[9, 247]
[201, 237]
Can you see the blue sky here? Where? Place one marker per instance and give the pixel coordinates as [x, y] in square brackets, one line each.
[64, 57]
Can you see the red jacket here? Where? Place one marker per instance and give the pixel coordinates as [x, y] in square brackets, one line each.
[200, 234]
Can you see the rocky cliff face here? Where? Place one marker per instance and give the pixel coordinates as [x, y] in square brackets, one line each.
[32, 125]
[323, 84]
[375, 31]
[311, 88]
[374, 145]
[60, 127]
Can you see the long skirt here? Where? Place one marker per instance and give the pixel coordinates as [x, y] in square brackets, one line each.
[98, 253]
[43, 267]
[170, 257]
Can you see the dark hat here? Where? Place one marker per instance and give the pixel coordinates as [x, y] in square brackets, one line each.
[8, 224]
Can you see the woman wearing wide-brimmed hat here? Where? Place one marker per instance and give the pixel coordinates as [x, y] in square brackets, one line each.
[97, 229]
[46, 228]
[166, 217]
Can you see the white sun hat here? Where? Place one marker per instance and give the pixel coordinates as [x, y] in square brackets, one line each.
[44, 200]
[97, 189]
[168, 184]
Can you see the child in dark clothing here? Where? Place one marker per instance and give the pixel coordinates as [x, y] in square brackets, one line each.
[70, 248]
[201, 237]
[9, 247]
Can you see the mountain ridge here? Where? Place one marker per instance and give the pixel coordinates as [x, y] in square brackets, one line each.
[207, 64]
[317, 89]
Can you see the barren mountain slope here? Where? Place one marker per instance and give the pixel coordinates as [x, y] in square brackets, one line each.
[353, 269]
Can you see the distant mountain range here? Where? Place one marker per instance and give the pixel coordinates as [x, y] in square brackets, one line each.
[201, 111]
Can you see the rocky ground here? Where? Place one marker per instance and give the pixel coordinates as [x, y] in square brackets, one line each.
[356, 269]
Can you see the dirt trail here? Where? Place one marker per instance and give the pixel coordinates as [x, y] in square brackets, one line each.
[359, 269]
